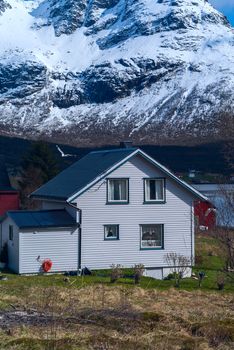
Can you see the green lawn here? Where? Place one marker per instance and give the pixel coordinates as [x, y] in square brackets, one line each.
[210, 262]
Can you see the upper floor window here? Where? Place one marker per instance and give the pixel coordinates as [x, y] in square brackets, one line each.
[117, 190]
[154, 190]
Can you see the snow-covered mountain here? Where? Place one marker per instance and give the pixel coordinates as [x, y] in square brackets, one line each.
[94, 71]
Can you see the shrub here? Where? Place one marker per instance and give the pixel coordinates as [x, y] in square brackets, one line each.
[169, 277]
[210, 253]
[138, 272]
[220, 281]
[198, 260]
[4, 254]
[116, 272]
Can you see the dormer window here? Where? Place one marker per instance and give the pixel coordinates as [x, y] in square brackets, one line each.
[154, 190]
[117, 191]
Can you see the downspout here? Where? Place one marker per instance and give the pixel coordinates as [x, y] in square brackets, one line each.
[79, 235]
[192, 236]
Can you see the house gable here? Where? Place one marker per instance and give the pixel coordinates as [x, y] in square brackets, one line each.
[162, 169]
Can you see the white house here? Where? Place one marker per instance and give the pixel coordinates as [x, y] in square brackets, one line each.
[111, 207]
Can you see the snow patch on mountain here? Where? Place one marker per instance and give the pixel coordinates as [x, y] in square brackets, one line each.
[128, 67]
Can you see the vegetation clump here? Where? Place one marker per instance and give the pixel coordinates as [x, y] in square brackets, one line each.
[116, 272]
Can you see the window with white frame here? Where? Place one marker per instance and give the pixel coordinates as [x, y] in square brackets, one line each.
[154, 190]
[117, 190]
[152, 236]
[111, 232]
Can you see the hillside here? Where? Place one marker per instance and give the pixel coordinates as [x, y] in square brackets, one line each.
[150, 70]
[204, 158]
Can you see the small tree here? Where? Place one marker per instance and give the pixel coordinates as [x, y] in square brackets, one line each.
[138, 272]
[116, 272]
[179, 265]
[224, 231]
[38, 166]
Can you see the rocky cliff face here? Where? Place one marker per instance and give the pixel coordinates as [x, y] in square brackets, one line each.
[146, 69]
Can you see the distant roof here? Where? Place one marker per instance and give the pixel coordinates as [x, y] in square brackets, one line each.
[206, 188]
[78, 175]
[42, 218]
[220, 195]
[4, 178]
[83, 174]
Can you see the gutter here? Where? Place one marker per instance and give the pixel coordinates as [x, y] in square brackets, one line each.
[79, 235]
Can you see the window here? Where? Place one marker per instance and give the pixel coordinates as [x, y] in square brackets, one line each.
[154, 190]
[152, 236]
[111, 232]
[11, 232]
[117, 190]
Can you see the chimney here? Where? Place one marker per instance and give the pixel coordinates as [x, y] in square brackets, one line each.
[125, 144]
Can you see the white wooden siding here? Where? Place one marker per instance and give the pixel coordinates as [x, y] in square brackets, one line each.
[61, 246]
[13, 246]
[175, 214]
[50, 205]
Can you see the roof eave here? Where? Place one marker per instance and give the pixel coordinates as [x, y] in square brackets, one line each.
[48, 197]
[75, 225]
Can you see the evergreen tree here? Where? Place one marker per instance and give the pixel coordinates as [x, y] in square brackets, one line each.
[38, 166]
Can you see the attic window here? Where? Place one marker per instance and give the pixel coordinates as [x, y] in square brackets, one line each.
[154, 190]
[117, 191]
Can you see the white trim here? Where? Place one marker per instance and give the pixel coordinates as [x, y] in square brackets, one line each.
[147, 157]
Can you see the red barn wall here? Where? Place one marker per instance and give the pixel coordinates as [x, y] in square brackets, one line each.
[205, 217]
[8, 201]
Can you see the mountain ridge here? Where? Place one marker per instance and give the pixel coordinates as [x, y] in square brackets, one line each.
[146, 69]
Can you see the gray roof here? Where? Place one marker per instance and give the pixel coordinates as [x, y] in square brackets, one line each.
[81, 173]
[42, 218]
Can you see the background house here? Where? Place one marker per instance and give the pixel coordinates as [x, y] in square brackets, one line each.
[9, 197]
[221, 197]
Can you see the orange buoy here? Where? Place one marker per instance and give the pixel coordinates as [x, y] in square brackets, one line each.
[47, 265]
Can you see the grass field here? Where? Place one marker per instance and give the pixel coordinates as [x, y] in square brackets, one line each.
[56, 312]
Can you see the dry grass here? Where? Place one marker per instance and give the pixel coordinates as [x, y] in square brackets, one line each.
[94, 314]
[104, 318]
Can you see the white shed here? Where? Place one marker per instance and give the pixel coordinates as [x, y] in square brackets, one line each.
[34, 236]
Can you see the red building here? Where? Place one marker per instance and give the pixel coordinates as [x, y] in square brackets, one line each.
[9, 197]
[205, 215]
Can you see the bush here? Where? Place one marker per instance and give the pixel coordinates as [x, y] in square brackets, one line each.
[198, 260]
[169, 277]
[221, 281]
[116, 272]
[138, 272]
[4, 254]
